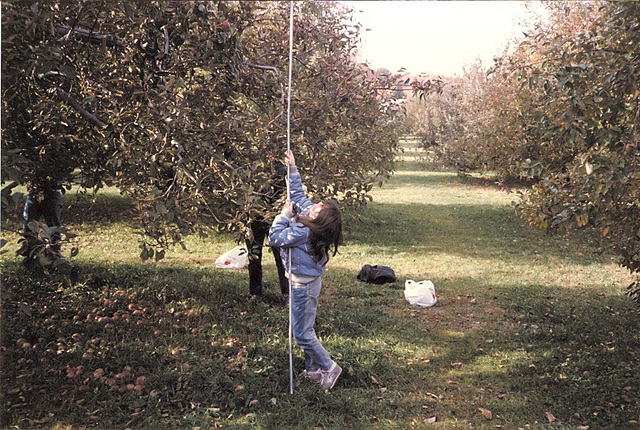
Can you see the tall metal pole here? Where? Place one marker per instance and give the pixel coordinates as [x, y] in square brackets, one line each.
[289, 189]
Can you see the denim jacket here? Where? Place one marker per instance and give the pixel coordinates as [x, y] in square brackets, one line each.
[286, 233]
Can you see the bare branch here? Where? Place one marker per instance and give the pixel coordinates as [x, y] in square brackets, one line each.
[277, 73]
[66, 97]
[166, 40]
[179, 152]
[258, 66]
[88, 34]
[7, 190]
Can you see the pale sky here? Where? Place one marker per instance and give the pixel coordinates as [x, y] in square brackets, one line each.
[437, 37]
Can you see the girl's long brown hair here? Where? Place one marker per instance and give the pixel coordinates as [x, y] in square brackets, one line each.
[326, 230]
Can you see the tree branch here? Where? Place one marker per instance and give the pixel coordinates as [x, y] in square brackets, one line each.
[66, 97]
[258, 66]
[65, 32]
[166, 39]
[277, 73]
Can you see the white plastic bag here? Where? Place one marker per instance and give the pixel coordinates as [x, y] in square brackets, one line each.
[235, 258]
[421, 294]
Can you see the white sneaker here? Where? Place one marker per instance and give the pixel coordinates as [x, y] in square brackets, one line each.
[329, 377]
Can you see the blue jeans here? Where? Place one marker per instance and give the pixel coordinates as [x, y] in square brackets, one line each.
[49, 208]
[304, 305]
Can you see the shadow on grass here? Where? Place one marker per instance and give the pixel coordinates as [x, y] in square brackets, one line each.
[575, 356]
[430, 179]
[579, 354]
[445, 179]
[209, 357]
[476, 231]
[104, 208]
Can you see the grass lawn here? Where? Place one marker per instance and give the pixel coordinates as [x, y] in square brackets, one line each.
[531, 330]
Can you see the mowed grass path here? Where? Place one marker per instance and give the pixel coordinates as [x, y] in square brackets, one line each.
[531, 330]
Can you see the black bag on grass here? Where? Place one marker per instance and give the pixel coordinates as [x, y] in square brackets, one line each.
[376, 274]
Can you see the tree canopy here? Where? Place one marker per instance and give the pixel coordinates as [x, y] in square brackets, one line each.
[180, 105]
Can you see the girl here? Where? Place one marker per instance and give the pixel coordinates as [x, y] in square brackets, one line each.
[309, 236]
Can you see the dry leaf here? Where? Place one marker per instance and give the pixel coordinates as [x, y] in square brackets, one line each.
[486, 413]
[550, 417]
[431, 420]
[24, 308]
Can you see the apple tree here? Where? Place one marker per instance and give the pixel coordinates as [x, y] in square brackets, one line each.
[181, 105]
[561, 109]
[590, 85]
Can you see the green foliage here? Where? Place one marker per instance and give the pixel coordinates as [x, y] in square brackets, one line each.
[590, 80]
[561, 109]
[180, 105]
[40, 246]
